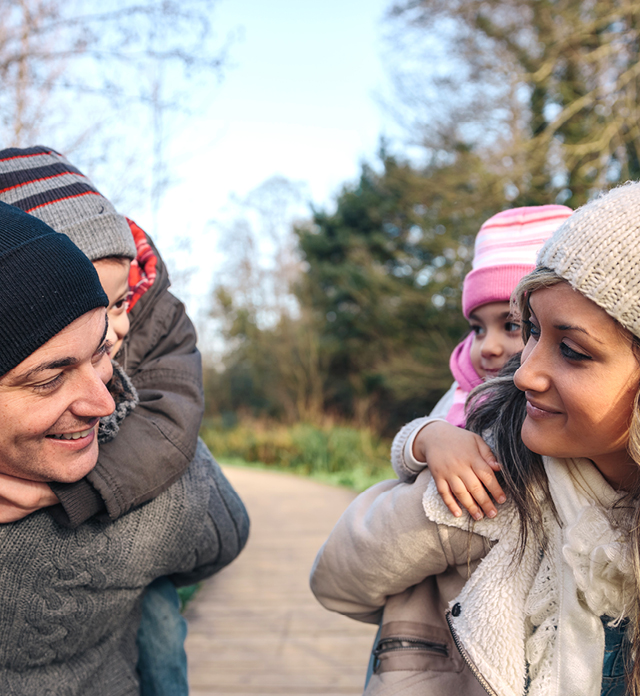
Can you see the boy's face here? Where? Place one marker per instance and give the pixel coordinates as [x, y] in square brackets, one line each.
[114, 276]
[497, 338]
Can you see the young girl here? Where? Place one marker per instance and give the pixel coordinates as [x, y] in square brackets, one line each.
[551, 602]
[505, 250]
[460, 462]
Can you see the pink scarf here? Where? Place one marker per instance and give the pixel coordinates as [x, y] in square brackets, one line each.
[466, 377]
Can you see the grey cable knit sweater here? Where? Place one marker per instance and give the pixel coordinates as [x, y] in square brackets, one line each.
[71, 598]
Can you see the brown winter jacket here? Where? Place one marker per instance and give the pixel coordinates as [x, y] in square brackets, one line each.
[157, 441]
[353, 576]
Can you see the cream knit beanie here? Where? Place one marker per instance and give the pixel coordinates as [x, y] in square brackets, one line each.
[597, 250]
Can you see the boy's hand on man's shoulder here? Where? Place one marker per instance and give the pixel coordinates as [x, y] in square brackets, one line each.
[20, 497]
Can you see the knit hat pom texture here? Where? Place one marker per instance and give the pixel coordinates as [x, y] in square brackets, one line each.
[597, 250]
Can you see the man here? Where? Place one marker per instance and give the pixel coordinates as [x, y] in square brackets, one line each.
[70, 597]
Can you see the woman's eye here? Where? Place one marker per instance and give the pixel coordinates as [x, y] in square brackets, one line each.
[533, 330]
[571, 354]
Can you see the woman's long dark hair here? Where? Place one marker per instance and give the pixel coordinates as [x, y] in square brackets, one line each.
[497, 410]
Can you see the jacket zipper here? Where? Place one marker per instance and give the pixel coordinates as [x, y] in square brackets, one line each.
[387, 645]
[465, 656]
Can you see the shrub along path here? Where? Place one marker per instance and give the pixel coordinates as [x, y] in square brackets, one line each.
[255, 628]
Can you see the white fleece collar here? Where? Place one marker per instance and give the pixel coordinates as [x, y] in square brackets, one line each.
[539, 612]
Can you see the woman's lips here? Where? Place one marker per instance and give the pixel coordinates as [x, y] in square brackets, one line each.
[540, 411]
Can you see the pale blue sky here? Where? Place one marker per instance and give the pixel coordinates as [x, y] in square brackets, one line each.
[298, 99]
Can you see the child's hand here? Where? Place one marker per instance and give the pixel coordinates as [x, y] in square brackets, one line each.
[20, 497]
[462, 466]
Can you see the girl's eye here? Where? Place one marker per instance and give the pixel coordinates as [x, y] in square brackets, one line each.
[50, 385]
[476, 329]
[571, 354]
[511, 326]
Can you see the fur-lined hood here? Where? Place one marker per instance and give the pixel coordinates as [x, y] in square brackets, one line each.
[126, 398]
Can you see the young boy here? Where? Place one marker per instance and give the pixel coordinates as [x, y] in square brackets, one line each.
[154, 341]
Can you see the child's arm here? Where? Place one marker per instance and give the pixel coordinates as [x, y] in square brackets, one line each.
[157, 440]
[462, 464]
[20, 497]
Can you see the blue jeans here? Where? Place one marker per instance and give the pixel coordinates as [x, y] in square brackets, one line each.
[616, 654]
[372, 658]
[162, 661]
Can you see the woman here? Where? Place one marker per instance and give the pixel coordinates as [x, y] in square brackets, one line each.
[552, 608]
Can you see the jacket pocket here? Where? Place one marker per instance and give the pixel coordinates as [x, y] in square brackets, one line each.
[411, 646]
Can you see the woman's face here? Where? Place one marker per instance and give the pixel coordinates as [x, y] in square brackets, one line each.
[580, 377]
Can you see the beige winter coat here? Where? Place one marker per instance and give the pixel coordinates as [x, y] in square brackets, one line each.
[351, 576]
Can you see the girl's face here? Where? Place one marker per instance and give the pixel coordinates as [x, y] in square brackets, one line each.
[497, 338]
[580, 377]
[114, 277]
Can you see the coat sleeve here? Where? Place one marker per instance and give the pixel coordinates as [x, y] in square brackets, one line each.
[157, 441]
[382, 545]
[226, 525]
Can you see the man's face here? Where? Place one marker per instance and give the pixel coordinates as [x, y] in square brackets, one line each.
[50, 404]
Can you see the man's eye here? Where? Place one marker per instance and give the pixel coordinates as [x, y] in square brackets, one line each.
[50, 385]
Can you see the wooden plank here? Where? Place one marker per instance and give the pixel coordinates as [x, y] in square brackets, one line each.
[255, 628]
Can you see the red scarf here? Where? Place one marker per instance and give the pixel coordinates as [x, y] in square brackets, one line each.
[143, 268]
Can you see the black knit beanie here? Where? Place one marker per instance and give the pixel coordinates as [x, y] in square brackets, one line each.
[46, 282]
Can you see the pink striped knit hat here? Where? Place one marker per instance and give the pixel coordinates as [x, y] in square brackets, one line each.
[505, 250]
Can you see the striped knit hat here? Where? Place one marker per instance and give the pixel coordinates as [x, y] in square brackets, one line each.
[505, 250]
[43, 183]
[597, 250]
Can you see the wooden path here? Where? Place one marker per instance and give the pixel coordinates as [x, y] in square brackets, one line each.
[256, 629]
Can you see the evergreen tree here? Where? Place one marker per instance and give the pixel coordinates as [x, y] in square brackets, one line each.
[383, 278]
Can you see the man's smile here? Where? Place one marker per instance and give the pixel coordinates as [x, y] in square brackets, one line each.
[72, 436]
